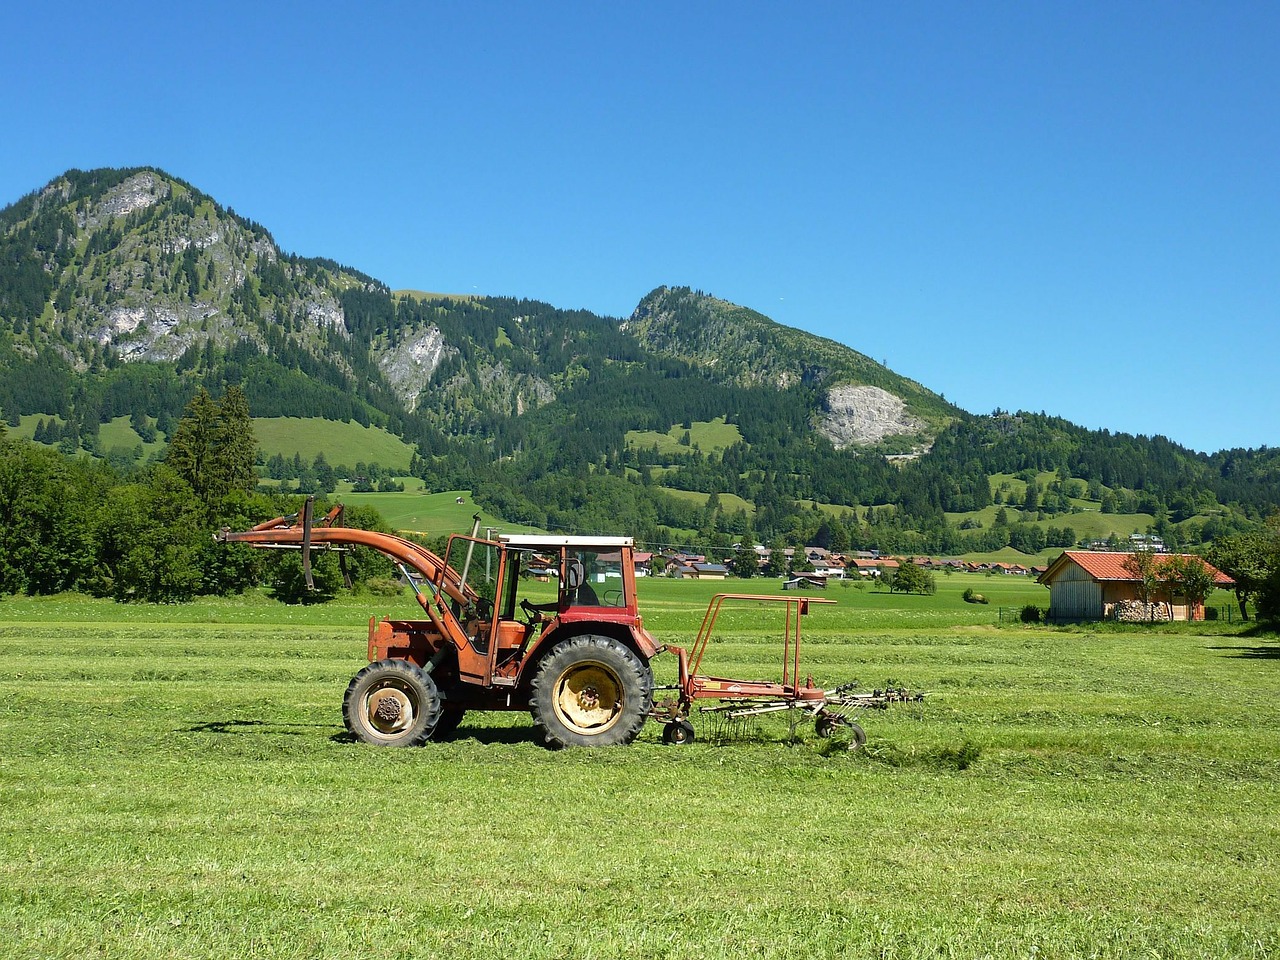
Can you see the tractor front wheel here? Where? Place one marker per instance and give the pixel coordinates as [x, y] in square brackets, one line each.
[590, 691]
[391, 703]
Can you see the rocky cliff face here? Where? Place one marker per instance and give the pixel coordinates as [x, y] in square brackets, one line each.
[410, 364]
[855, 416]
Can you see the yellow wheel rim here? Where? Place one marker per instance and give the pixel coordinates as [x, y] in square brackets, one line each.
[588, 698]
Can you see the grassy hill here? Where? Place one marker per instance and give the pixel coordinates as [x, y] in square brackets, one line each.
[430, 514]
[729, 502]
[348, 443]
[426, 295]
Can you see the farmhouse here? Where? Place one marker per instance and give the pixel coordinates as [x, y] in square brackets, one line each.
[1088, 586]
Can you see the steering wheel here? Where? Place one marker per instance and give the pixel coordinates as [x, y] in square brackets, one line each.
[532, 613]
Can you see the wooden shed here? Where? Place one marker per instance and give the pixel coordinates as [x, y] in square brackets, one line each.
[1086, 585]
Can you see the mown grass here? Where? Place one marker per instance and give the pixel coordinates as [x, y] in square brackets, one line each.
[174, 782]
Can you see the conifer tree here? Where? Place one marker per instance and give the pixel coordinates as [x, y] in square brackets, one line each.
[190, 451]
[235, 446]
[213, 448]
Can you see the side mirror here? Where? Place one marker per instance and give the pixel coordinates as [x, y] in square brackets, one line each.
[575, 574]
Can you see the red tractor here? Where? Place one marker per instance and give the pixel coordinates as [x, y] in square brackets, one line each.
[580, 665]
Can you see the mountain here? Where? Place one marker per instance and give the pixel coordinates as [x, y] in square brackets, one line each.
[109, 273]
[862, 402]
[122, 292]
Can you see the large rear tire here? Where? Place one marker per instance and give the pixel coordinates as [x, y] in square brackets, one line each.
[391, 703]
[590, 691]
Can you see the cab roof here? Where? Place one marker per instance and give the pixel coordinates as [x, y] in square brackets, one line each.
[544, 542]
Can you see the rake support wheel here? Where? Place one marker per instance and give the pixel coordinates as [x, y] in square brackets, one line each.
[828, 724]
[678, 733]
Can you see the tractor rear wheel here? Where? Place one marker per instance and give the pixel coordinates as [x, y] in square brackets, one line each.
[392, 703]
[590, 691]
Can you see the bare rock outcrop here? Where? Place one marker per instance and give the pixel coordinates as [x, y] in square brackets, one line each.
[858, 415]
[408, 366]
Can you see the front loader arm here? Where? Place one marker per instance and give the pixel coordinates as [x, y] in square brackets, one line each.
[300, 532]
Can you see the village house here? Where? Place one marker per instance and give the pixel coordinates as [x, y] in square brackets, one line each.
[870, 567]
[1009, 569]
[542, 568]
[673, 564]
[864, 567]
[703, 571]
[831, 567]
[1085, 585]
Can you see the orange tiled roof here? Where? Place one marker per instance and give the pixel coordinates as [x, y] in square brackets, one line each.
[1111, 566]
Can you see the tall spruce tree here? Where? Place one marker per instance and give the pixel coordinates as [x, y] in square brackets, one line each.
[235, 446]
[213, 447]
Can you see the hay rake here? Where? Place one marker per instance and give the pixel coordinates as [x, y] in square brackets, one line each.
[740, 701]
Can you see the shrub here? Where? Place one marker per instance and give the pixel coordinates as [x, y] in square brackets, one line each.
[384, 586]
[1030, 613]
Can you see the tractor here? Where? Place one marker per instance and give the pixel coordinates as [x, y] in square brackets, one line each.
[580, 664]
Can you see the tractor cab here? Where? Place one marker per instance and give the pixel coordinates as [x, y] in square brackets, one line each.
[595, 589]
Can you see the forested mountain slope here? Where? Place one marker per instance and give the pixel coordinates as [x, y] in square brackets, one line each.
[122, 292]
[861, 400]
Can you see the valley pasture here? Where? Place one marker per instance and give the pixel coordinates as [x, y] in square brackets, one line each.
[175, 782]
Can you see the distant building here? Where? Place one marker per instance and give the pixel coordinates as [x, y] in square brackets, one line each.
[706, 571]
[805, 581]
[1085, 585]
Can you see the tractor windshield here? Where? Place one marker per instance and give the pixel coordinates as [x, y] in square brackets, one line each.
[476, 563]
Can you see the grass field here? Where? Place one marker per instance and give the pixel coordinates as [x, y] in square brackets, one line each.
[347, 443]
[710, 436]
[433, 514]
[729, 502]
[174, 782]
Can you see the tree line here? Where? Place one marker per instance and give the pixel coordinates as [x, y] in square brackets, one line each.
[76, 524]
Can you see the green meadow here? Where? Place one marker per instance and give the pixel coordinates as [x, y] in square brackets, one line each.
[416, 511]
[175, 782]
[709, 436]
[340, 442]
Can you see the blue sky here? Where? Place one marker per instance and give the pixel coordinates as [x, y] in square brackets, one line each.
[1063, 207]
